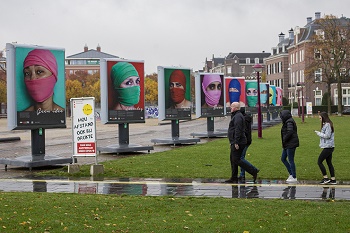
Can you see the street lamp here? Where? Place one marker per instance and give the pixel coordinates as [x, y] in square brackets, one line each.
[258, 69]
[302, 100]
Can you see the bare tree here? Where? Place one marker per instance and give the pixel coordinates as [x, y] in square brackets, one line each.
[327, 53]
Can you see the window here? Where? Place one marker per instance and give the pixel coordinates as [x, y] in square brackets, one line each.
[317, 54]
[242, 69]
[256, 60]
[229, 69]
[319, 34]
[247, 60]
[346, 96]
[318, 75]
[318, 101]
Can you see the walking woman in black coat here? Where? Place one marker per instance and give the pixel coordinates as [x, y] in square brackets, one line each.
[290, 141]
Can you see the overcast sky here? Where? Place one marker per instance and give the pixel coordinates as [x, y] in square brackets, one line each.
[160, 32]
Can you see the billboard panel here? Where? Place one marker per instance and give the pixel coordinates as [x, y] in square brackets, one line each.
[174, 93]
[209, 95]
[264, 94]
[122, 91]
[279, 101]
[234, 92]
[251, 87]
[273, 95]
[36, 87]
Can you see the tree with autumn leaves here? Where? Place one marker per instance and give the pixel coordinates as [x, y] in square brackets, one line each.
[329, 52]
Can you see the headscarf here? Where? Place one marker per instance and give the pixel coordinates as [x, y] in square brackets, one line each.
[234, 90]
[252, 99]
[41, 57]
[212, 97]
[41, 89]
[263, 93]
[178, 94]
[126, 96]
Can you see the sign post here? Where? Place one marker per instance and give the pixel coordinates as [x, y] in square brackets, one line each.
[83, 127]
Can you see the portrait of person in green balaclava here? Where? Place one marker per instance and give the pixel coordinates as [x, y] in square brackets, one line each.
[252, 93]
[126, 85]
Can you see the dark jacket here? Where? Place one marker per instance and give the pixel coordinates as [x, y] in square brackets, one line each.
[289, 131]
[236, 129]
[248, 128]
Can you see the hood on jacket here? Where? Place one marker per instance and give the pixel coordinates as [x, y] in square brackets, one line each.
[285, 115]
[247, 117]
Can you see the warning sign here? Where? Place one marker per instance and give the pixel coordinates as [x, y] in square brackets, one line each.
[83, 126]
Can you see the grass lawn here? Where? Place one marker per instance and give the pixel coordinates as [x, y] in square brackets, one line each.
[52, 212]
[45, 212]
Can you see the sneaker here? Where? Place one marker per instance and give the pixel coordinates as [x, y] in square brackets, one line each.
[332, 182]
[290, 177]
[325, 181]
[292, 180]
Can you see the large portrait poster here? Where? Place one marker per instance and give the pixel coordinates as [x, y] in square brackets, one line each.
[273, 95]
[174, 93]
[264, 94]
[122, 91]
[36, 87]
[251, 87]
[279, 101]
[234, 92]
[209, 95]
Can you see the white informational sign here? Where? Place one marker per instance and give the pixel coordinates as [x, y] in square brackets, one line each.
[83, 126]
[309, 108]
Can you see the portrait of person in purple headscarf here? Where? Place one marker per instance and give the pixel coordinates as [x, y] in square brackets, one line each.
[40, 76]
[212, 89]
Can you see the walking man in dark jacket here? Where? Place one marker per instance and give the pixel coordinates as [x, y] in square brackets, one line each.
[238, 141]
[248, 133]
[290, 141]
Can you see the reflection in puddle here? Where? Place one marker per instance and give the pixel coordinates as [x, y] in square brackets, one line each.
[180, 188]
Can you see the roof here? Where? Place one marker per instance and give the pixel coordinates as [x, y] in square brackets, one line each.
[92, 53]
[247, 55]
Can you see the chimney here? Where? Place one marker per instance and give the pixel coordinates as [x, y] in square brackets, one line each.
[317, 15]
[308, 20]
[281, 37]
[291, 34]
[98, 48]
[86, 48]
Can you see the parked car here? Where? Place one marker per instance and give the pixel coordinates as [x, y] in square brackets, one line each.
[346, 111]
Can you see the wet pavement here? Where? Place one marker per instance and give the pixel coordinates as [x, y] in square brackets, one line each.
[59, 143]
[263, 189]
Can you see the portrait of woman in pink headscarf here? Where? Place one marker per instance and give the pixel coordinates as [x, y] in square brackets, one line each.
[40, 77]
[212, 89]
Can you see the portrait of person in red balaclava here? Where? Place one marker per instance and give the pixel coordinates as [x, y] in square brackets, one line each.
[177, 85]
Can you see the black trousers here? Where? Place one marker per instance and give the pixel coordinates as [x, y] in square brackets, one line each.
[235, 159]
[326, 154]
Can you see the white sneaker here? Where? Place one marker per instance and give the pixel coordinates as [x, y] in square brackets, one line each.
[289, 178]
[292, 180]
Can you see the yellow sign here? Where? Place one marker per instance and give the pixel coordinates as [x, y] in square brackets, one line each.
[87, 109]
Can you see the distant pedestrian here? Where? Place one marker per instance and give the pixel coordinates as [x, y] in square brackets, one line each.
[238, 141]
[327, 144]
[248, 133]
[290, 141]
